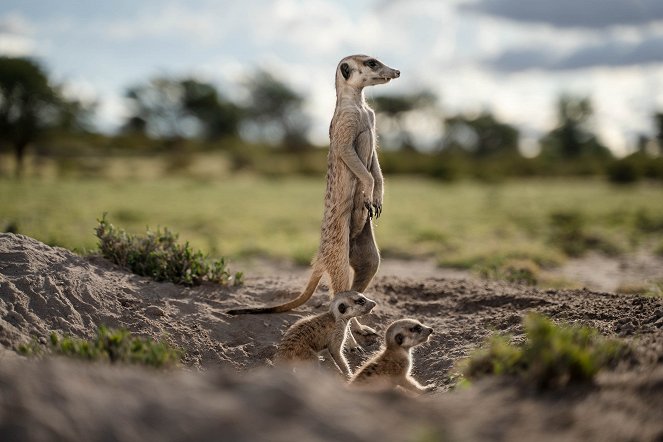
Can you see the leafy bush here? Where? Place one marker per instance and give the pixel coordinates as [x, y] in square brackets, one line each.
[109, 345]
[551, 356]
[159, 256]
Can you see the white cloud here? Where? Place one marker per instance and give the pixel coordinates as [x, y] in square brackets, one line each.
[16, 36]
[204, 24]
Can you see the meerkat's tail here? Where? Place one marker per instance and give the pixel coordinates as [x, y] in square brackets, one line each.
[305, 295]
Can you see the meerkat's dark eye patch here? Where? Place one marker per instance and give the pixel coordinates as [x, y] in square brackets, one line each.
[360, 301]
[371, 63]
[399, 339]
[345, 70]
[342, 308]
[416, 329]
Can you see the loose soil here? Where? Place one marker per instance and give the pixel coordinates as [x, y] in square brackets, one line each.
[228, 389]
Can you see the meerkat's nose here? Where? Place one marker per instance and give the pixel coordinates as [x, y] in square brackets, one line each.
[398, 73]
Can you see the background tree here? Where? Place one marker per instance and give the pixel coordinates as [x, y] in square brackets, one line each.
[573, 136]
[481, 136]
[158, 110]
[29, 105]
[658, 122]
[218, 116]
[275, 112]
[172, 109]
[392, 112]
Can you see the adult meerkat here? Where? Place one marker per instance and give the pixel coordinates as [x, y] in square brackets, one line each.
[306, 338]
[392, 366]
[354, 189]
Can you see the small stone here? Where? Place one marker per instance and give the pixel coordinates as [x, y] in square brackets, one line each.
[153, 310]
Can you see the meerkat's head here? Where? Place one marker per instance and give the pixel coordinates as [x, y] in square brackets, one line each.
[359, 71]
[407, 333]
[349, 304]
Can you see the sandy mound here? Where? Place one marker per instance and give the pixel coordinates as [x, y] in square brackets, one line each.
[44, 289]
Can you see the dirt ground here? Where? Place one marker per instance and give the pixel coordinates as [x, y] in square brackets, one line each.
[231, 392]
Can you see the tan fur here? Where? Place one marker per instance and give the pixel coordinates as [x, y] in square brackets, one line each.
[306, 338]
[392, 365]
[354, 188]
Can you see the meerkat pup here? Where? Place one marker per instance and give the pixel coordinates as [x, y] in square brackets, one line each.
[354, 190]
[306, 338]
[392, 366]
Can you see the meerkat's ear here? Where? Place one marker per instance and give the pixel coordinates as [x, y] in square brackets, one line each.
[345, 70]
[399, 339]
[342, 308]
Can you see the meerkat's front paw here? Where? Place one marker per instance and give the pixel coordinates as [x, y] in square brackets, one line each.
[377, 208]
[365, 330]
[370, 209]
[377, 201]
[352, 345]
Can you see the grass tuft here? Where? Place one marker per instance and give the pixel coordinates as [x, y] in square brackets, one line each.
[114, 346]
[551, 356]
[158, 255]
[520, 271]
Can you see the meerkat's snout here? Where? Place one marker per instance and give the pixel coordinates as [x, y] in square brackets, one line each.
[370, 305]
[428, 332]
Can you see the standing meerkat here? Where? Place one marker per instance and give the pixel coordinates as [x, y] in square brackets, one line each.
[392, 366]
[354, 189]
[306, 338]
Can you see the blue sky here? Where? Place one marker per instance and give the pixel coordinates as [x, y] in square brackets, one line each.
[512, 57]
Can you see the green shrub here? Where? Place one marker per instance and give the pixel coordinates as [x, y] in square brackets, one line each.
[30, 349]
[117, 346]
[159, 256]
[551, 355]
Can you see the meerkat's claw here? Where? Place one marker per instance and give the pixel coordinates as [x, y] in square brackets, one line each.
[370, 209]
[377, 209]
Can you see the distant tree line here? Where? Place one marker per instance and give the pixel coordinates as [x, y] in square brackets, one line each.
[172, 111]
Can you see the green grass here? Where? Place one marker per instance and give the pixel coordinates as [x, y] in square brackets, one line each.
[159, 255]
[551, 355]
[114, 346]
[462, 224]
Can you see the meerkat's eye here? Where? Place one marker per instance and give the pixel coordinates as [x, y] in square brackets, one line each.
[416, 329]
[342, 308]
[371, 63]
[360, 301]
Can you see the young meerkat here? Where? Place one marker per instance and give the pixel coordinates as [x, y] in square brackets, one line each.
[306, 338]
[354, 190]
[392, 366]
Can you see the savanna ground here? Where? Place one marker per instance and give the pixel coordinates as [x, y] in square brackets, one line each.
[440, 240]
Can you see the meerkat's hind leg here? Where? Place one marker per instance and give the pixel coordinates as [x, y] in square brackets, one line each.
[365, 261]
[364, 258]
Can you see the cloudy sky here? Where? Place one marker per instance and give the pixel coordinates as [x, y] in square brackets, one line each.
[513, 57]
